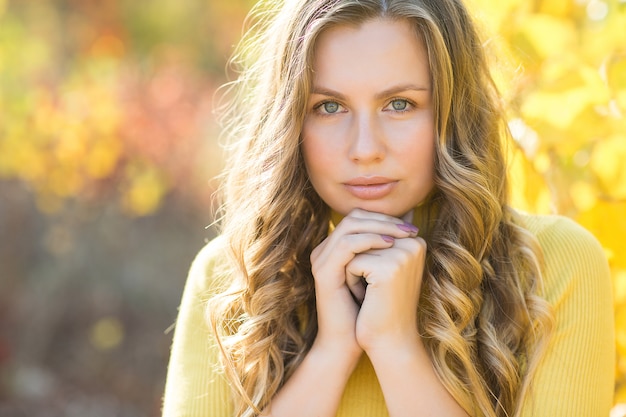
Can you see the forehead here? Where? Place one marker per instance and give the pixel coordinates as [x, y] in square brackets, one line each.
[378, 49]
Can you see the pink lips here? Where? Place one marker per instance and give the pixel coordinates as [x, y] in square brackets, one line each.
[370, 188]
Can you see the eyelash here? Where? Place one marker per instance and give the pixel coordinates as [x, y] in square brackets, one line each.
[409, 106]
[319, 107]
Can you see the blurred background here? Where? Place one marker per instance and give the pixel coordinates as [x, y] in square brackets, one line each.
[108, 147]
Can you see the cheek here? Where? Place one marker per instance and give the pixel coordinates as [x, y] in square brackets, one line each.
[313, 154]
[317, 146]
[416, 144]
[426, 144]
[418, 159]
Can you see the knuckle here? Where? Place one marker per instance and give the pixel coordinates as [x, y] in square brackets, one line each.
[346, 224]
[355, 211]
[417, 245]
[409, 248]
[343, 243]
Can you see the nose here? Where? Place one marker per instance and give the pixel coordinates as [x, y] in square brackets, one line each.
[368, 143]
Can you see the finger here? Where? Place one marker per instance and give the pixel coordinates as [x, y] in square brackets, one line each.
[401, 249]
[339, 249]
[370, 263]
[407, 218]
[382, 224]
[357, 287]
[359, 270]
[353, 244]
[411, 244]
[373, 215]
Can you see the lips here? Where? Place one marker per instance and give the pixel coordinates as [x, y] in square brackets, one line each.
[370, 188]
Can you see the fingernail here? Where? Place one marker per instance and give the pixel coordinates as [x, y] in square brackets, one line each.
[407, 227]
[388, 239]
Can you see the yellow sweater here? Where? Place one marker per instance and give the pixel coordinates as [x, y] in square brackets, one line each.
[575, 378]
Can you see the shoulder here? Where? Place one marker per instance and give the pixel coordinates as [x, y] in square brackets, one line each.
[558, 232]
[573, 258]
[562, 237]
[206, 272]
[577, 285]
[195, 384]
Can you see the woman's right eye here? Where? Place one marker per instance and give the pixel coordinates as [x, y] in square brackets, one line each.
[328, 107]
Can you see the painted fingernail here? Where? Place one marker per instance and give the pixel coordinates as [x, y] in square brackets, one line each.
[407, 227]
[388, 239]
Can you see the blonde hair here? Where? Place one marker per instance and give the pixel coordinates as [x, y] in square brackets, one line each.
[480, 314]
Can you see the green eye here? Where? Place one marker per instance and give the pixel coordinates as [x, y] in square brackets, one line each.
[399, 105]
[330, 107]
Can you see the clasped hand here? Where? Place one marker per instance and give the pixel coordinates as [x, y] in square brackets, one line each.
[368, 274]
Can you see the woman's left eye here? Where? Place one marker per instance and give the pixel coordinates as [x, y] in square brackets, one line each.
[399, 104]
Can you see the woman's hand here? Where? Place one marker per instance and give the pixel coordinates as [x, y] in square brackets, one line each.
[379, 318]
[387, 319]
[317, 385]
[386, 329]
[339, 289]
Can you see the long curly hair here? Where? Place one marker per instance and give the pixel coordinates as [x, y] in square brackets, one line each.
[481, 315]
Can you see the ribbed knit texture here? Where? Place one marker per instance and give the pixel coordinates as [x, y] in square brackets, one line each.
[577, 374]
[575, 378]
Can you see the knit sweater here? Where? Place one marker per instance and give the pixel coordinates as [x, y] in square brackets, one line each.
[575, 377]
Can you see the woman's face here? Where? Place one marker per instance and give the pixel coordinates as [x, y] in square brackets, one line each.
[368, 136]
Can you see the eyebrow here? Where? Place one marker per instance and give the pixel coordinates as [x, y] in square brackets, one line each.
[385, 93]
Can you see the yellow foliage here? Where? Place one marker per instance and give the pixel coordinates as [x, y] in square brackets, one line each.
[102, 157]
[560, 8]
[606, 220]
[616, 79]
[616, 73]
[619, 286]
[620, 325]
[571, 103]
[529, 191]
[583, 195]
[144, 190]
[549, 35]
[608, 162]
[567, 93]
[493, 14]
[64, 181]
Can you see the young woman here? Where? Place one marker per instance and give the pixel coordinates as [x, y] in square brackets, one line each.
[368, 262]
